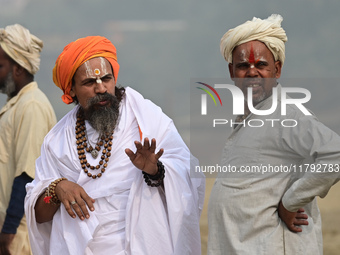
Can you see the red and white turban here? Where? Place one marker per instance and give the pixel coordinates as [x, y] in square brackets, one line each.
[268, 31]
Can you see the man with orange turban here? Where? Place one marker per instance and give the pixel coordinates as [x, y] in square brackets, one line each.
[92, 194]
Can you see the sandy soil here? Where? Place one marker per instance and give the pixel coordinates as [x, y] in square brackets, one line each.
[330, 212]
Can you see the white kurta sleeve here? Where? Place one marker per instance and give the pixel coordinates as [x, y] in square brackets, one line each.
[311, 139]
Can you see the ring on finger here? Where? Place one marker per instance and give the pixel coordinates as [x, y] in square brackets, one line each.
[73, 202]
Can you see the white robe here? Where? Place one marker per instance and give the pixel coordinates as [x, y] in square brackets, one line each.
[130, 217]
[242, 211]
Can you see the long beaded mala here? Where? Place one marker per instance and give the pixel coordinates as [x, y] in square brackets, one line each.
[105, 140]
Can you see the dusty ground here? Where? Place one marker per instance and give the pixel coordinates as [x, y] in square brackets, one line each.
[330, 212]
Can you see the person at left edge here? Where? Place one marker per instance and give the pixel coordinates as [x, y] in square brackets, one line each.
[98, 202]
[24, 121]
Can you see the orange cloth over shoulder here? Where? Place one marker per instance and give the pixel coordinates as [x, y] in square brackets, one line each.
[75, 54]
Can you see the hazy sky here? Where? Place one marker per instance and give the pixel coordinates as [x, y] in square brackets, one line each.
[161, 45]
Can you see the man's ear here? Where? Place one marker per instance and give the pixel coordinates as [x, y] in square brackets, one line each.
[72, 93]
[231, 71]
[18, 70]
[278, 67]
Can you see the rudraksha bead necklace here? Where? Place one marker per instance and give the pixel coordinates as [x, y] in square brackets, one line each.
[105, 140]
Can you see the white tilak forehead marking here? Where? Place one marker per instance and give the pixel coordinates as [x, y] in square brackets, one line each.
[88, 70]
[103, 66]
[92, 72]
[243, 57]
[243, 53]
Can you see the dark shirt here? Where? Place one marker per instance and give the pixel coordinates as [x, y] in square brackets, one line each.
[15, 210]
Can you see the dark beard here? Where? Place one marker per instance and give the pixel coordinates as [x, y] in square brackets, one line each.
[102, 118]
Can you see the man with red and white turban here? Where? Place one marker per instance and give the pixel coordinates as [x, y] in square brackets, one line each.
[92, 194]
[268, 205]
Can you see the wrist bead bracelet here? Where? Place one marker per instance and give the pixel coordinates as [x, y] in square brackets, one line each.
[50, 195]
[157, 179]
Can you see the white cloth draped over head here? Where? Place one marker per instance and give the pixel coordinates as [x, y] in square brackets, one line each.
[268, 31]
[23, 47]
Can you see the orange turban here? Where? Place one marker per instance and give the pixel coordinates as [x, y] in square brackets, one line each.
[77, 53]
